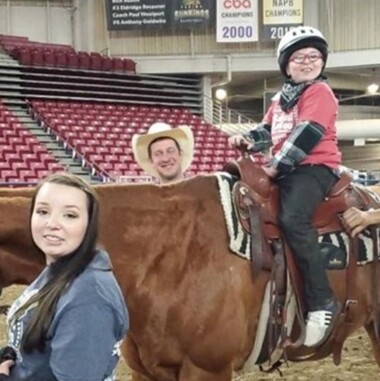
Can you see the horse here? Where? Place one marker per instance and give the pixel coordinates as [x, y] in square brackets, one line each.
[194, 306]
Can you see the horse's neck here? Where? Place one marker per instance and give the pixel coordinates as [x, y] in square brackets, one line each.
[147, 229]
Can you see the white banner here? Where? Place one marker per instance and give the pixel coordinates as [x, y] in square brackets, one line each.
[236, 21]
[279, 16]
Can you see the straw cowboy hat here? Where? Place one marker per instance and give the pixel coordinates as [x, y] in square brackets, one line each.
[181, 134]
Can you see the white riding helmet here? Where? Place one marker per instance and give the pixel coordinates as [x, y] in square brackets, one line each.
[299, 38]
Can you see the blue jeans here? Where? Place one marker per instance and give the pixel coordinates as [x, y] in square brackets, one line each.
[300, 193]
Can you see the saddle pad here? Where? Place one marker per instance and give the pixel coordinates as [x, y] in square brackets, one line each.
[239, 240]
[366, 244]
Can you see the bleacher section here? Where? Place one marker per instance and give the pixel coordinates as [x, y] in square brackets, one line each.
[31, 53]
[32, 82]
[88, 107]
[22, 157]
[100, 135]
[55, 71]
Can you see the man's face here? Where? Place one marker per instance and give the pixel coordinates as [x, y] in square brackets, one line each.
[166, 159]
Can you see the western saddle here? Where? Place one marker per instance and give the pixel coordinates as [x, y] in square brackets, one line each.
[257, 202]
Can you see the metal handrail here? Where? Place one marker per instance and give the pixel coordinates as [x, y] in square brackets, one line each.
[216, 112]
[227, 120]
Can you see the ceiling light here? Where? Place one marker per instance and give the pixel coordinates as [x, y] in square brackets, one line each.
[220, 94]
[372, 88]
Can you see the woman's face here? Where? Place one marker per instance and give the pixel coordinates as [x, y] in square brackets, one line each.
[59, 220]
[305, 65]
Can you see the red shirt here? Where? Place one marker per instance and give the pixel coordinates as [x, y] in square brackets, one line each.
[316, 104]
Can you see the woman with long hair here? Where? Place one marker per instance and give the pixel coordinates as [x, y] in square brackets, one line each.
[68, 324]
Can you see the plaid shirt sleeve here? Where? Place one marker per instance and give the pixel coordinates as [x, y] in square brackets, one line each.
[299, 144]
[260, 137]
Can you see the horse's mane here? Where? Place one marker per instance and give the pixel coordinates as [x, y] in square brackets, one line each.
[189, 183]
[16, 192]
[199, 186]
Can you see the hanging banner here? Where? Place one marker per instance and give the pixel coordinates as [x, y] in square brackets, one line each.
[236, 21]
[192, 13]
[279, 16]
[142, 14]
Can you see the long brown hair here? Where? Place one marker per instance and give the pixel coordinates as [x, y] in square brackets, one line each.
[63, 271]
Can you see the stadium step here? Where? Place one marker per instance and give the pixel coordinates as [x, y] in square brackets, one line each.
[54, 147]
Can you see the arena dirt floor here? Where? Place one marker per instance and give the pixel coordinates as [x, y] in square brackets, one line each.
[357, 360]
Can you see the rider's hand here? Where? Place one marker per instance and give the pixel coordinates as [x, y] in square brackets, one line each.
[355, 220]
[6, 366]
[270, 171]
[239, 142]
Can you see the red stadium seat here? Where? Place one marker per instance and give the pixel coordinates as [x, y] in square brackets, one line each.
[49, 58]
[129, 65]
[111, 158]
[106, 166]
[5, 166]
[93, 143]
[47, 158]
[83, 60]
[23, 149]
[134, 167]
[15, 141]
[37, 58]
[205, 167]
[99, 136]
[106, 63]
[95, 157]
[108, 143]
[41, 174]
[8, 174]
[103, 150]
[54, 167]
[219, 159]
[121, 167]
[95, 61]
[79, 143]
[28, 175]
[25, 57]
[12, 158]
[117, 150]
[72, 61]
[40, 152]
[61, 58]
[206, 159]
[117, 64]
[86, 151]
[38, 166]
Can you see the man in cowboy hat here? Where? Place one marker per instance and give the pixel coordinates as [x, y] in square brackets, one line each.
[164, 152]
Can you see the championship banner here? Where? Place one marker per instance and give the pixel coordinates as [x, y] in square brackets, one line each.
[236, 21]
[279, 16]
[143, 14]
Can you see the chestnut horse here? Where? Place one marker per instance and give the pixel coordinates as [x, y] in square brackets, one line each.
[194, 306]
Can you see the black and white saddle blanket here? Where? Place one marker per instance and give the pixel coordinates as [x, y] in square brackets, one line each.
[240, 241]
